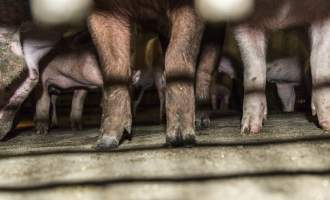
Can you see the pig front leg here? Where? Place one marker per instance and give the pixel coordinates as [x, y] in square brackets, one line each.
[287, 95]
[212, 42]
[320, 69]
[112, 37]
[252, 43]
[180, 63]
[77, 108]
[41, 118]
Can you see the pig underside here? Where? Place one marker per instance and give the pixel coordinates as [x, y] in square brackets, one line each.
[74, 69]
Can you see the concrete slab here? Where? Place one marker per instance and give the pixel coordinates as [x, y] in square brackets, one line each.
[290, 160]
[270, 188]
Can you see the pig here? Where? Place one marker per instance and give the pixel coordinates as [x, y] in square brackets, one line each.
[15, 15]
[207, 63]
[35, 43]
[250, 34]
[222, 85]
[110, 25]
[286, 73]
[76, 69]
[150, 71]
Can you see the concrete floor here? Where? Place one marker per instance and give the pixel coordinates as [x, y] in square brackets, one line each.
[289, 160]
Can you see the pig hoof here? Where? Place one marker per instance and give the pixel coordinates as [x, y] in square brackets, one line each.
[206, 122]
[254, 112]
[189, 138]
[325, 125]
[41, 128]
[107, 142]
[173, 139]
[202, 121]
[321, 107]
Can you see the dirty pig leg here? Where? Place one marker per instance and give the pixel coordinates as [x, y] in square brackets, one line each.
[180, 62]
[54, 113]
[41, 118]
[77, 108]
[320, 68]
[252, 43]
[287, 95]
[112, 37]
[212, 42]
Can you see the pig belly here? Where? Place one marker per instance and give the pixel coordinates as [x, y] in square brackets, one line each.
[64, 82]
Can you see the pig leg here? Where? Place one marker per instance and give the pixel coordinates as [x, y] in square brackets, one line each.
[252, 43]
[214, 101]
[41, 118]
[320, 69]
[208, 60]
[180, 62]
[34, 49]
[54, 113]
[160, 83]
[112, 37]
[137, 102]
[77, 108]
[287, 95]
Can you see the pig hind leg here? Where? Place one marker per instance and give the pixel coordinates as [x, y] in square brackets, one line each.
[320, 68]
[287, 95]
[77, 107]
[180, 62]
[252, 43]
[212, 41]
[112, 36]
[41, 118]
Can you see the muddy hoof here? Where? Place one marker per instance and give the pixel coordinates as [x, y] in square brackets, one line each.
[173, 141]
[202, 123]
[41, 128]
[107, 142]
[188, 138]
